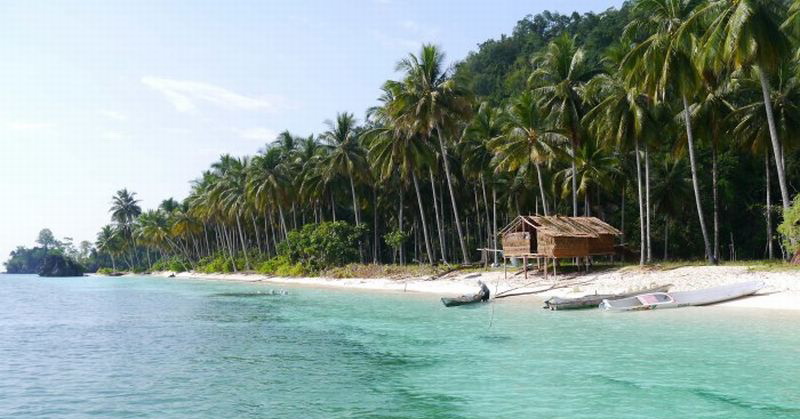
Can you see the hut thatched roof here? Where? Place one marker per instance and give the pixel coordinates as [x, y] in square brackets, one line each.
[558, 226]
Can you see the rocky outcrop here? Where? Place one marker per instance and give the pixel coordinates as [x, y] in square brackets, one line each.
[59, 265]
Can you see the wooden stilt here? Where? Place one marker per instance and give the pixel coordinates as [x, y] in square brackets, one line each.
[555, 273]
[525, 268]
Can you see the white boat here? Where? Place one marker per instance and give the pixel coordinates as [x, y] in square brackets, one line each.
[660, 300]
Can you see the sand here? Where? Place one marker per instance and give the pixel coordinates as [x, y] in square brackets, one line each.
[782, 289]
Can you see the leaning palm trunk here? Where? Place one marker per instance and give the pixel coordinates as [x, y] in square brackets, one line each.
[244, 245]
[642, 240]
[461, 241]
[541, 187]
[488, 218]
[400, 226]
[690, 139]
[773, 136]
[494, 223]
[768, 206]
[439, 229]
[715, 195]
[422, 218]
[647, 201]
[355, 200]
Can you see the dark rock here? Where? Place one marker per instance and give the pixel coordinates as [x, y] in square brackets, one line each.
[59, 265]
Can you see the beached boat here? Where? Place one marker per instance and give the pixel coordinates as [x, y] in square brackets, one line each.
[593, 300]
[482, 295]
[660, 300]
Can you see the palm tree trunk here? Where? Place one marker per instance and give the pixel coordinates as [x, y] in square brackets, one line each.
[642, 239]
[113, 262]
[464, 253]
[690, 138]
[244, 245]
[258, 236]
[422, 218]
[283, 222]
[574, 186]
[230, 248]
[375, 240]
[439, 229]
[400, 226]
[715, 196]
[355, 200]
[333, 208]
[541, 187]
[773, 136]
[494, 223]
[666, 238]
[768, 206]
[488, 218]
[622, 210]
[647, 200]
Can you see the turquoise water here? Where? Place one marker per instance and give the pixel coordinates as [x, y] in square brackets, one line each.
[158, 348]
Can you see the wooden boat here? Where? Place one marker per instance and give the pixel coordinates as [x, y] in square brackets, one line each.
[660, 300]
[593, 300]
[481, 296]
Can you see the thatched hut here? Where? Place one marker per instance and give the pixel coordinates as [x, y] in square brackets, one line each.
[558, 237]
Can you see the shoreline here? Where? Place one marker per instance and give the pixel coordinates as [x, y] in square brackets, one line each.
[782, 290]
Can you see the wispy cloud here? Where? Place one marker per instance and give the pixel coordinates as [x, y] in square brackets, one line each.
[185, 95]
[257, 133]
[24, 126]
[117, 116]
[409, 36]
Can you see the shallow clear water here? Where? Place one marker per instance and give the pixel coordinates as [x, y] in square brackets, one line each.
[158, 348]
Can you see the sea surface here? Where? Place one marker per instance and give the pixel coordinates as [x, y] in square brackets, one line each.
[166, 348]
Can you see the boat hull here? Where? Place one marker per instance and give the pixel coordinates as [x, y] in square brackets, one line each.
[653, 301]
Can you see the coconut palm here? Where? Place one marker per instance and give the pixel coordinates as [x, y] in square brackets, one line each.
[345, 156]
[430, 101]
[108, 242]
[746, 34]
[526, 140]
[124, 211]
[560, 72]
[662, 64]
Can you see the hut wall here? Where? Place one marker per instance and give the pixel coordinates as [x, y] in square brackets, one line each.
[519, 243]
[602, 245]
[562, 246]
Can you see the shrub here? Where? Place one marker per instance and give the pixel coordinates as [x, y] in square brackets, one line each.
[324, 245]
[790, 227]
[105, 271]
[282, 266]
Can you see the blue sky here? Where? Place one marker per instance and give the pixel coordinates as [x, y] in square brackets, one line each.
[100, 95]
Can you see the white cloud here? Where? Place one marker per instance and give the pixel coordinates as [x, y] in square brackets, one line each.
[28, 126]
[257, 133]
[186, 94]
[114, 136]
[117, 116]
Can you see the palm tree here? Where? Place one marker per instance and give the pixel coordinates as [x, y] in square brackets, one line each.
[747, 34]
[560, 72]
[124, 211]
[345, 156]
[671, 191]
[525, 141]
[595, 169]
[621, 117]
[394, 149]
[430, 101]
[230, 194]
[108, 242]
[662, 63]
[751, 128]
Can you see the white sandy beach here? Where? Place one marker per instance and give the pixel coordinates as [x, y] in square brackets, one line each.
[782, 289]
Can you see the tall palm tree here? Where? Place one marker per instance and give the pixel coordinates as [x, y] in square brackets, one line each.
[430, 101]
[108, 242]
[526, 140]
[560, 72]
[124, 211]
[661, 64]
[345, 157]
[747, 34]
[621, 117]
[396, 150]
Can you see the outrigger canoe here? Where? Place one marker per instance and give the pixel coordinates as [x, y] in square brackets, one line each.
[661, 300]
[482, 295]
[593, 300]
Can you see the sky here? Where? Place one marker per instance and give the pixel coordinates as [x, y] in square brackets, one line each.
[101, 95]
